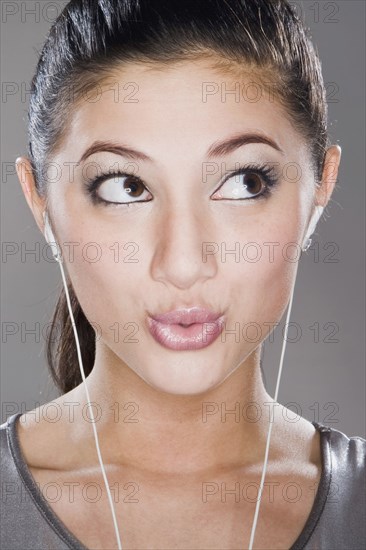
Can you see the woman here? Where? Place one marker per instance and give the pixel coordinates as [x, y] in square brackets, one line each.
[149, 170]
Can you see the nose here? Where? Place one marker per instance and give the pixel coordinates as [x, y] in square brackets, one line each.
[178, 258]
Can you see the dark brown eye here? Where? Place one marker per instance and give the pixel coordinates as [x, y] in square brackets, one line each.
[252, 182]
[247, 183]
[133, 186]
[119, 188]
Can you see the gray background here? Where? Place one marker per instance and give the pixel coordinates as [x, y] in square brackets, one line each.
[322, 380]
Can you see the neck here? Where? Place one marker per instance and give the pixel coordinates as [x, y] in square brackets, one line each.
[142, 427]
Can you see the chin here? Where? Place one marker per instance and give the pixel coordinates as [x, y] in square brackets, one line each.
[185, 378]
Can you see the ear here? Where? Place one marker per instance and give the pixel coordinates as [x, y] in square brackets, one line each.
[35, 202]
[329, 176]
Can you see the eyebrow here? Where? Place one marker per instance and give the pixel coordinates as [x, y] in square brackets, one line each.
[217, 149]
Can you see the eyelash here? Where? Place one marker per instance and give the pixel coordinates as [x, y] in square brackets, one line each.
[265, 171]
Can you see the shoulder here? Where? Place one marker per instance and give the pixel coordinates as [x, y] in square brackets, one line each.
[345, 450]
[15, 501]
[341, 497]
[343, 485]
[19, 493]
[12, 488]
[6, 456]
[344, 456]
[39, 436]
[26, 519]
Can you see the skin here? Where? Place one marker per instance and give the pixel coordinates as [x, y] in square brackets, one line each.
[168, 389]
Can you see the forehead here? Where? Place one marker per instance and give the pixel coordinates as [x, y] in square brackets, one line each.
[184, 107]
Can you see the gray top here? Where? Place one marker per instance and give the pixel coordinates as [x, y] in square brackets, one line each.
[337, 519]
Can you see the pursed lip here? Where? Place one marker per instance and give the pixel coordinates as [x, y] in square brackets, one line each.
[187, 316]
[191, 328]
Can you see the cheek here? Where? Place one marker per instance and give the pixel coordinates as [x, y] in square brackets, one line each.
[276, 282]
[107, 282]
[261, 283]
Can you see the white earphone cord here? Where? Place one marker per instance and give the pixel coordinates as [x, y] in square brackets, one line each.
[270, 424]
[90, 407]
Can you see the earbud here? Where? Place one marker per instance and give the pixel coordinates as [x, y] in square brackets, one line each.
[311, 227]
[50, 238]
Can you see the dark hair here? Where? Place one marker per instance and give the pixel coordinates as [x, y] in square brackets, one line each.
[92, 38]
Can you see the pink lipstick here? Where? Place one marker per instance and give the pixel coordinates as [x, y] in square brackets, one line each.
[186, 328]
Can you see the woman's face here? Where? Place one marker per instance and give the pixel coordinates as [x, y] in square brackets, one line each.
[180, 237]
